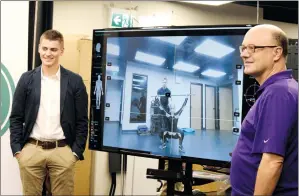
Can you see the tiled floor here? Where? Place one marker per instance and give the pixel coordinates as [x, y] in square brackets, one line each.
[205, 144]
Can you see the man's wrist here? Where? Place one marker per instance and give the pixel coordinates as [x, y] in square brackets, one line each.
[76, 155]
[17, 153]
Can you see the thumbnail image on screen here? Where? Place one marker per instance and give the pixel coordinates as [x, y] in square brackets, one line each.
[173, 95]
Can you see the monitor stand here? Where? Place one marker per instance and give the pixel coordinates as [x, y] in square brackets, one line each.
[174, 174]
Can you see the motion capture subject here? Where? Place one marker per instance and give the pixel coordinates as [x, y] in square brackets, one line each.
[175, 133]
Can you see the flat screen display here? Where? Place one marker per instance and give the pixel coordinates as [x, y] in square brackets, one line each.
[173, 92]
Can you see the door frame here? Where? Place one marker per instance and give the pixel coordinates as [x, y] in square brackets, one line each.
[199, 84]
[121, 101]
[226, 85]
[215, 102]
[131, 91]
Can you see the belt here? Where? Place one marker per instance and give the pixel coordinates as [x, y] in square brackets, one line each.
[48, 144]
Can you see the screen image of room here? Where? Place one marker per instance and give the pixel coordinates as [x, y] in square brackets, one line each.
[174, 96]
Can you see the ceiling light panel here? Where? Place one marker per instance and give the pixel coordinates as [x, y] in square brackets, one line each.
[148, 58]
[181, 66]
[213, 73]
[176, 40]
[214, 49]
[113, 49]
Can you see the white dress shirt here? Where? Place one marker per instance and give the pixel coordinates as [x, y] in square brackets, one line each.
[47, 126]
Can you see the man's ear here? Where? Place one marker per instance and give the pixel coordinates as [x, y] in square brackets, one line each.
[62, 51]
[278, 52]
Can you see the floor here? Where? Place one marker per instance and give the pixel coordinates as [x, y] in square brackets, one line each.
[205, 144]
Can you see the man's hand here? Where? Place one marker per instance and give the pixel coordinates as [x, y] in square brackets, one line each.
[76, 156]
[18, 155]
[268, 174]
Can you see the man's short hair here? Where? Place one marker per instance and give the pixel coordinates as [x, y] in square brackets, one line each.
[53, 35]
[282, 40]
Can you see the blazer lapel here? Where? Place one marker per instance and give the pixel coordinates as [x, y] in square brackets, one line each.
[63, 87]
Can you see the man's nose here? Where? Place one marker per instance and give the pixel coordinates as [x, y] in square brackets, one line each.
[48, 52]
[244, 54]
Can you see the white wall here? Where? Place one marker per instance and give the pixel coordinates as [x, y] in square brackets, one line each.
[14, 47]
[113, 96]
[240, 102]
[81, 17]
[237, 96]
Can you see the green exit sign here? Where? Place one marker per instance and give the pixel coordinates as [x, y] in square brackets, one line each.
[121, 20]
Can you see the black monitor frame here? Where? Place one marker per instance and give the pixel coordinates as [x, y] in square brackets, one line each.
[153, 31]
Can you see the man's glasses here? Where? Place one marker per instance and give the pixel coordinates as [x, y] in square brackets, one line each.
[251, 48]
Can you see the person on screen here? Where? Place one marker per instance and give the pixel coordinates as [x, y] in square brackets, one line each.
[98, 91]
[49, 121]
[142, 106]
[173, 118]
[164, 101]
[265, 159]
[162, 92]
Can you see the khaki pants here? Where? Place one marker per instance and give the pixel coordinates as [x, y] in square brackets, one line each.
[34, 163]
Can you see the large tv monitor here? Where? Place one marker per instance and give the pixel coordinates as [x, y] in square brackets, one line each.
[169, 92]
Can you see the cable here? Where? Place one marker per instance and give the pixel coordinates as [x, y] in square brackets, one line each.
[215, 169]
[257, 12]
[133, 175]
[122, 174]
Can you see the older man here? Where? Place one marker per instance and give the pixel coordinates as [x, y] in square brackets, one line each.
[265, 160]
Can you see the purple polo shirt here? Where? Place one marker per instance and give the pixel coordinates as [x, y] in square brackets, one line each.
[270, 126]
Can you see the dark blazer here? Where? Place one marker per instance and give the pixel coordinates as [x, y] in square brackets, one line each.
[73, 109]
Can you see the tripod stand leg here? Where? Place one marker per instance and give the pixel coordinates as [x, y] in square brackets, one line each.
[188, 182]
[113, 184]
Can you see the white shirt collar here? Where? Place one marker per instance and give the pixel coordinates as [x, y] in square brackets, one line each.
[56, 76]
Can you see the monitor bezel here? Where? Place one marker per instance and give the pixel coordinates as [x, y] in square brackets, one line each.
[157, 31]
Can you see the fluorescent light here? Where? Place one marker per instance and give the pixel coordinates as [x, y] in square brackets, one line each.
[113, 68]
[113, 49]
[185, 67]
[139, 76]
[213, 73]
[137, 80]
[138, 88]
[176, 40]
[214, 3]
[212, 48]
[148, 58]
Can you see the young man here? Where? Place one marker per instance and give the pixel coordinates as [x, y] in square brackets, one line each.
[265, 160]
[48, 121]
[164, 102]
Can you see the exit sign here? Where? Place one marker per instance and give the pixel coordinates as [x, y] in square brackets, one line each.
[121, 20]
